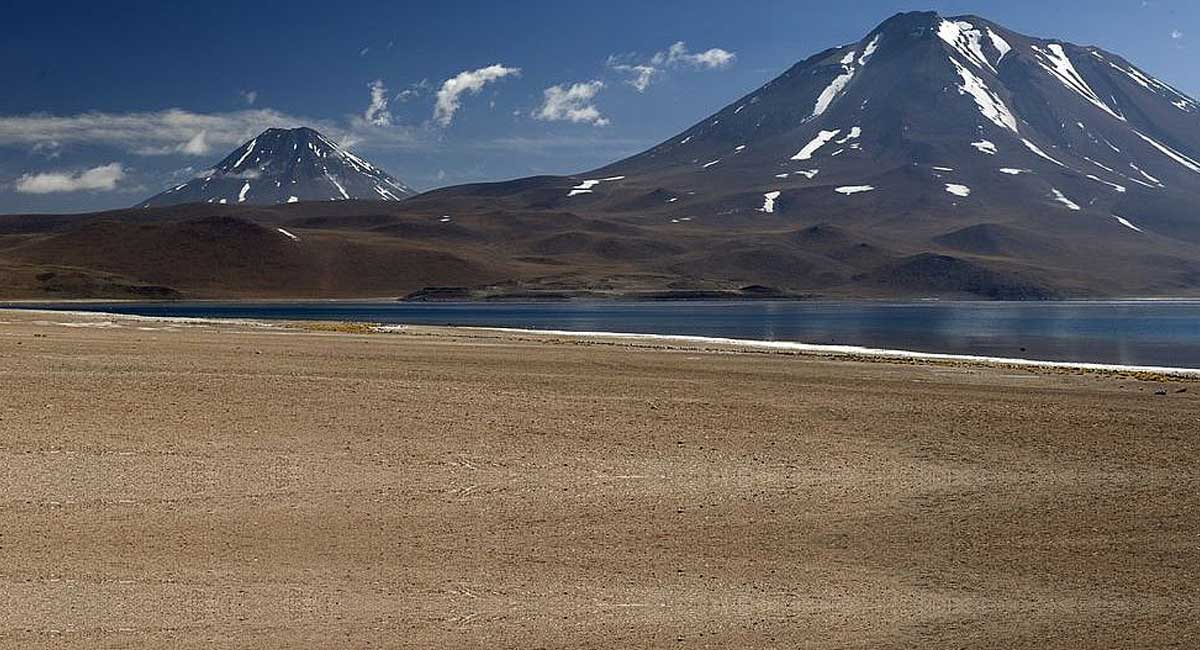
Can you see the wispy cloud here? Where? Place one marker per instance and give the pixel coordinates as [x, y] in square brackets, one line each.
[678, 54]
[641, 74]
[172, 131]
[249, 96]
[413, 91]
[178, 132]
[1176, 35]
[197, 146]
[50, 149]
[377, 112]
[102, 179]
[467, 82]
[572, 104]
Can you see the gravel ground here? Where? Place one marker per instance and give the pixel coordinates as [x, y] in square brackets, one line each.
[191, 485]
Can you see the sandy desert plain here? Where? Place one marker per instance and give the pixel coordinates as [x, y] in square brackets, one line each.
[249, 485]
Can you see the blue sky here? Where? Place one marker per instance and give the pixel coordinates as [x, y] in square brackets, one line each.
[106, 103]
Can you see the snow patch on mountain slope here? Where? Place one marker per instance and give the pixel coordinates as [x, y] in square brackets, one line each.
[821, 140]
[1181, 101]
[854, 134]
[850, 66]
[588, 186]
[1119, 188]
[1178, 157]
[1125, 222]
[831, 92]
[1062, 198]
[249, 150]
[769, 202]
[345, 196]
[1054, 59]
[989, 103]
[854, 189]
[1146, 176]
[1000, 44]
[967, 41]
[985, 146]
[1037, 150]
[869, 50]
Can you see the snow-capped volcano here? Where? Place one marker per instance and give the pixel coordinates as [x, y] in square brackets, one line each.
[287, 166]
[939, 114]
[933, 155]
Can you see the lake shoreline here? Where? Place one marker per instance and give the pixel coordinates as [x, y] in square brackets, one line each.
[676, 341]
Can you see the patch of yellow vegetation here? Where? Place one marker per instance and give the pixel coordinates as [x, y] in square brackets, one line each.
[340, 327]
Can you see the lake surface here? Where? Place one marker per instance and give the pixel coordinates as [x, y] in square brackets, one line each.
[1151, 333]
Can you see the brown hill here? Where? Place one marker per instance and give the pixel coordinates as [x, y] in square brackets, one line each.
[370, 249]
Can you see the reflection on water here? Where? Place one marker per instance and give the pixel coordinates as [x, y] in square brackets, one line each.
[1126, 332]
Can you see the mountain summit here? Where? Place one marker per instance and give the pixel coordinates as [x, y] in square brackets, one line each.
[287, 166]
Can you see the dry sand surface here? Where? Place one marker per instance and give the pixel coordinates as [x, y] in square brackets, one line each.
[247, 486]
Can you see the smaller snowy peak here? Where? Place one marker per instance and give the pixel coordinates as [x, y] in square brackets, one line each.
[287, 166]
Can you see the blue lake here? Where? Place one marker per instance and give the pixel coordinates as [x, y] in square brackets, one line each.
[1160, 333]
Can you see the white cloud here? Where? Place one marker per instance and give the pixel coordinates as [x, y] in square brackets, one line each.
[642, 74]
[469, 82]
[678, 54]
[249, 96]
[1176, 34]
[103, 178]
[413, 91]
[197, 146]
[572, 104]
[51, 149]
[377, 113]
[171, 131]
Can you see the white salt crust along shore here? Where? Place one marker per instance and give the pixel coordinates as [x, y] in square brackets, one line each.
[109, 316]
[853, 350]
